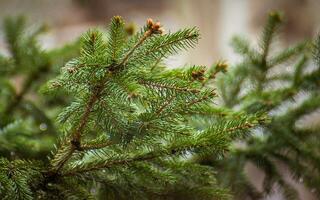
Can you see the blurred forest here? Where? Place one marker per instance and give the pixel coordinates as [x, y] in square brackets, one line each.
[218, 20]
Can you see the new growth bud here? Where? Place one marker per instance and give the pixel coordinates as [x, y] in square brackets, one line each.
[149, 23]
[118, 19]
[275, 16]
[71, 70]
[154, 27]
[198, 75]
[222, 66]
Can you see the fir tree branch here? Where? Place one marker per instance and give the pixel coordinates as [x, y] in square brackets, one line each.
[19, 96]
[214, 70]
[117, 38]
[187, 36]
[156, 63]
[62, 155]
[31, 78]
[269, 31]
[76, 134]
[287, 54]
[153, 28]
[170, 149]
[205, 97]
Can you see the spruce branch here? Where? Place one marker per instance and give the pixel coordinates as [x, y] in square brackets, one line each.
[174, 42]
[213, 71]
[207, 95]
[132, 124]
[75, 142]
[117, 38]
[30, 79]
[76, 135]
[241, 46]
[203, 140]
[269, 31]
[93, 45]
[19, 96]
[18, 40]
[288, 53]
[153, 28]
[257, 84]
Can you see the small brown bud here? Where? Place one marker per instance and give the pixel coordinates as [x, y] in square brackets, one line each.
[55, 84]
[212, 76]
[149, 23]
[132, 95]
[276, 16]
[222, 66]
[213, 93]
[156, 26]
[198, 75]
[118, 19]
[71, 70]
[130, 29]
[194, 74]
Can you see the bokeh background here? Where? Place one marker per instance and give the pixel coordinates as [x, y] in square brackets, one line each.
[218, 21]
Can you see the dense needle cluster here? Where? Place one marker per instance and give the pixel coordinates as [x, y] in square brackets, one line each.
[129, 125]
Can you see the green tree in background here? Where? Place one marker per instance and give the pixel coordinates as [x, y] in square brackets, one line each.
[285, 84]
[26, 127]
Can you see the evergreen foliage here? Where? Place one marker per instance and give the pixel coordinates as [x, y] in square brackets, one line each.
[285, 84]
[130, 124]
[26, 117]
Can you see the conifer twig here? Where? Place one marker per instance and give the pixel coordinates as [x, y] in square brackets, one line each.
[175, 149]
[153, 28]
[156, 63]
[25, 88]
[76, 135]
[205, 97]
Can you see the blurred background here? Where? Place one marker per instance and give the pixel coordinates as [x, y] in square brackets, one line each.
[218, 21]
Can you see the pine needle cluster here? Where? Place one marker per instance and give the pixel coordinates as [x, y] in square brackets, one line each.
[129, 124]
